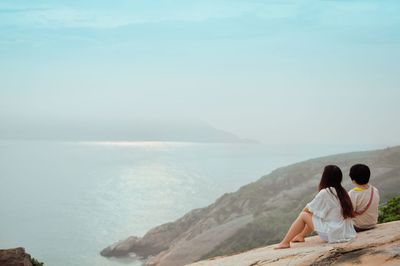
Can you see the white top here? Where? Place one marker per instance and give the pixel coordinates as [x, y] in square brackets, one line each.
[327, 217]
[360, 198]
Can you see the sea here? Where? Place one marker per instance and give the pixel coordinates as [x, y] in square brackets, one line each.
[66, 201]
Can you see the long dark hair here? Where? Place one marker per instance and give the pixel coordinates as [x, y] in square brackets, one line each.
[332, 177]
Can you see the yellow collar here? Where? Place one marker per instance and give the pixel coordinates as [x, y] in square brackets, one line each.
[359, 189]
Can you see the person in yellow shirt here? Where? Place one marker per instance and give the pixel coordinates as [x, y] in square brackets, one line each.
[364, 197]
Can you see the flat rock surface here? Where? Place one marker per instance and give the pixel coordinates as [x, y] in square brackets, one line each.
[379, 246]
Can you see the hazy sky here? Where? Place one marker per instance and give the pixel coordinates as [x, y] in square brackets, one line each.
[320, 72]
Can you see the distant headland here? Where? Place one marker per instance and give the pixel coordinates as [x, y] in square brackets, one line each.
[120, 130]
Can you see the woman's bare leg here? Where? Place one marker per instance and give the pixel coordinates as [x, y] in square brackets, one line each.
[298, 226]
[300, 237]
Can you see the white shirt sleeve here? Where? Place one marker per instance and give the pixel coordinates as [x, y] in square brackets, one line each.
[319, 205]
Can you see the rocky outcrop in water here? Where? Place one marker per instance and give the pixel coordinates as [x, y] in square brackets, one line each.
[14, 257]
[256, 215]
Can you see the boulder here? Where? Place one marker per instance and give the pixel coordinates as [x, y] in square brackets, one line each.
[15, 257]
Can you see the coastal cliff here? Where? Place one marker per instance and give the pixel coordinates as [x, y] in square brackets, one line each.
[379, 246]
[256, 215]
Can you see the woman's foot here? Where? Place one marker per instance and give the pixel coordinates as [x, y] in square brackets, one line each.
[282, 246]
[298, 239]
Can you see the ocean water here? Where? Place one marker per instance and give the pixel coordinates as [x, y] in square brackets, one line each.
[65, 201]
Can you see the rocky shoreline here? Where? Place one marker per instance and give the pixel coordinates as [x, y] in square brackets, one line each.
[256, 215]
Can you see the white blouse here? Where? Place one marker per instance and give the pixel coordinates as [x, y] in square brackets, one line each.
[327, 217]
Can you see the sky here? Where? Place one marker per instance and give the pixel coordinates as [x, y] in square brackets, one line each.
[281, 72]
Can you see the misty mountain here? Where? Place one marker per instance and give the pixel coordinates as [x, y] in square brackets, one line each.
[117, 130]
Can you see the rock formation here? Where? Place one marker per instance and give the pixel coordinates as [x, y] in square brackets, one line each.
[14, 257]
[379, 246]
[256, 215]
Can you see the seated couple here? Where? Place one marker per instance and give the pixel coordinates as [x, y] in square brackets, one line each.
[334, 214]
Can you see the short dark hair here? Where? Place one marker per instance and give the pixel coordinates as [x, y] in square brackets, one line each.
[360, 173]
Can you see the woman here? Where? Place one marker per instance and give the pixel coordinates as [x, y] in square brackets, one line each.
[329, 213]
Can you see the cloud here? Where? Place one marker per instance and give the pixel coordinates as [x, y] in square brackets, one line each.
[135, 14]
[22, 10]
[61, 17]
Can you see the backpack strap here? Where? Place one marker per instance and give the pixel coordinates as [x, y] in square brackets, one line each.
[369, 203]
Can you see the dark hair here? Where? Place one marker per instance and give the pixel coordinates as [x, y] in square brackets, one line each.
[360, 173]
[332, 177]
